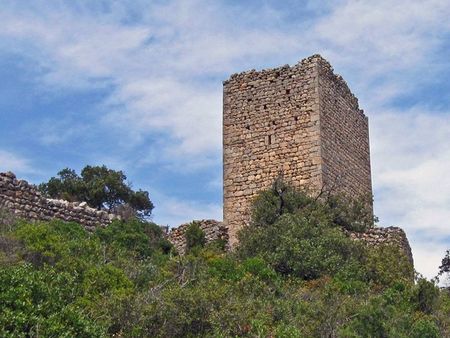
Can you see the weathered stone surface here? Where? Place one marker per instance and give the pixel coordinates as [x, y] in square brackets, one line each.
[380, 236]
[302, 122]
[25, 201]
[214, 230]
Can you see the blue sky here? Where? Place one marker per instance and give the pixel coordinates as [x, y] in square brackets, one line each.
[137, 85]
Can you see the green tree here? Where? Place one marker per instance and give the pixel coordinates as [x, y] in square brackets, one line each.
[99, 187]
[297, 234]
[444, 269]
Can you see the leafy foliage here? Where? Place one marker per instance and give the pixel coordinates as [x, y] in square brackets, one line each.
[99, 187]
[295, 275]
[41, 303]
[195, 237]
[444, 269]
[300, 235]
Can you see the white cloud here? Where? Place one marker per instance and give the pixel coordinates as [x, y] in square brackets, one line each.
[13, 162]
[410, 161]
[388, 47]
[428, 256]
[174, 212]
[191, 114]
[156, 66]
[390, 30]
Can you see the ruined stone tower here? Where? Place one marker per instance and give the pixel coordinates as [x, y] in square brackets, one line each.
[301, 121]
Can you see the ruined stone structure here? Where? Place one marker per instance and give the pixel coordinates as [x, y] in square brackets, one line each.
[384, 236]
[302, 122]
[24, 201]
[214, 230]
[377, 236]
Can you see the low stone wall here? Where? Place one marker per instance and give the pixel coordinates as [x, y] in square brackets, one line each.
[214, 230]
[24, 201]
[379, 236]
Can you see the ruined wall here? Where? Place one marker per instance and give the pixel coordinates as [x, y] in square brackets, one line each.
[214, 230]
[24, 201]
[302, 122]
[270, 126]
[344, 136]
[373, 237]
[379, 236]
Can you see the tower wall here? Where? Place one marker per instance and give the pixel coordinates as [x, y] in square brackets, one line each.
[270, 125]
[302, 122]
[344, 136]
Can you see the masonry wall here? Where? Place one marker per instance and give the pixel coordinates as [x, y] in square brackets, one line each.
[301, 122]
[214, 230]
[373, 237]
[25, 201]
[344, 136]
[270, 126]
[378, 236]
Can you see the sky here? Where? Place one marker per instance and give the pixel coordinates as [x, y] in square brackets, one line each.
[137, 86]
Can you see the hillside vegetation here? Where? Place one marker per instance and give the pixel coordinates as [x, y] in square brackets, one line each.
[295, 274]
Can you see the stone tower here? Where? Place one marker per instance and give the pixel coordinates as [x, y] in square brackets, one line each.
[300, 121]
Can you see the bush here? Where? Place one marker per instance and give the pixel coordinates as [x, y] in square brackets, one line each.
[295, 274]
[143, 239]
[100, 187]
[296, 234]
[427, 295]
[7, 220]
[41, 303]
[195, 237]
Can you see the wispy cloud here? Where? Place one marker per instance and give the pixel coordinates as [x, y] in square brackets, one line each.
[410, 161]
[157, 66]
[12, 162]
[174, 212]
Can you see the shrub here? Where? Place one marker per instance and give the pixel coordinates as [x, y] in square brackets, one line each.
[41, 303]
[351, 214]
[385, 265]
[141, 238]
[299, 245]
[195, 237]
[427, 295]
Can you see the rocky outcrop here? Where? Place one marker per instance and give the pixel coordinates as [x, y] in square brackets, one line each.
[24, 201]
